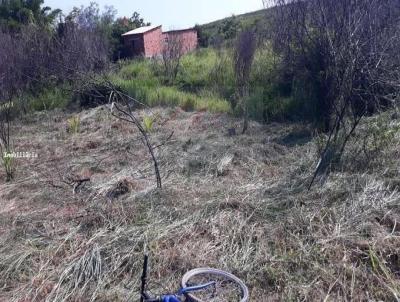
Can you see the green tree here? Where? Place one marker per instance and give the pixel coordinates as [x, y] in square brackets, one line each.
[16, 13]
[121, 26]
[106, 25]
[204, 36]
[229, 28]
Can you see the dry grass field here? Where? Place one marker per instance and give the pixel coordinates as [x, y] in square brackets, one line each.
[238, 203]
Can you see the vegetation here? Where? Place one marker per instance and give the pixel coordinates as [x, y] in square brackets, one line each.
[9, 165]
[49, 99]
[343, 59]
[144, 81]
[148, 123]
[74, 124]
[256, 220]
[243, 60]
[119, 27]
[206, 80]
[302, 205]
[7, 111]
[14, 14]
[226, 30]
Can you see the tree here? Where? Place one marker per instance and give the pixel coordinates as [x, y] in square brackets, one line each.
[106, 25]
[203, 36]
[16, 13]
[136, 21]
[10, 85]
[345, 54]
[229, 28]
[121, 26]
[5, 138]
[123, 105]
[243, 59]
[35, 58]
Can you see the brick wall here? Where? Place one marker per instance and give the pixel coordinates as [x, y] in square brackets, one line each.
[153, 42]
[134, 45]
[188, 38]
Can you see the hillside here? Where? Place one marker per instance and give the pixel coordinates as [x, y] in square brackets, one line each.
[252, 215]
[248, 18]
[227, 27]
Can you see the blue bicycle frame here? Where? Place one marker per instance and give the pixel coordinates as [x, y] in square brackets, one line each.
[183, 291]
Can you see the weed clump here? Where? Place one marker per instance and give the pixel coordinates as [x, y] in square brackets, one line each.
[9, 165]
[148, 123]
[74, 124]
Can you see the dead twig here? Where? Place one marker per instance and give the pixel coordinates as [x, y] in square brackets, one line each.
[127, 115]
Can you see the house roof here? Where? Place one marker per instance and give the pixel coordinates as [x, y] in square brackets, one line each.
[179, 30]
[141, 30]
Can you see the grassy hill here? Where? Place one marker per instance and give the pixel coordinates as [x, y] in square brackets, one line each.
[257, 19]
[247, 18]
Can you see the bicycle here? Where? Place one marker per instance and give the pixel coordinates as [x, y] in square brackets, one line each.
[198, 284]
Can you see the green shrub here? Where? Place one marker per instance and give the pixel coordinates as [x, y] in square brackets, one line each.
[49, 99]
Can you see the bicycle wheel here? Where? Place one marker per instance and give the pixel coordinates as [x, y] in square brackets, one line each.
[227, 288]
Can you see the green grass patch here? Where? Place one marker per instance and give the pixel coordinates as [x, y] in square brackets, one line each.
[206, 81]
[141, 80]
[172, 97]
[49, 99]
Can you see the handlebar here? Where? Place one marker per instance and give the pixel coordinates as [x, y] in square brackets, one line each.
[143, 294]
[186, 290]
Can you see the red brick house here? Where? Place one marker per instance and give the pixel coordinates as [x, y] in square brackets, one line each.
[149, 41]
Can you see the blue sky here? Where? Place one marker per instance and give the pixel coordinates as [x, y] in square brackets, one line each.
[172, 14]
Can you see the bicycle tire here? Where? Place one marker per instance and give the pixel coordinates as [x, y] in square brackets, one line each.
[229, 276]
